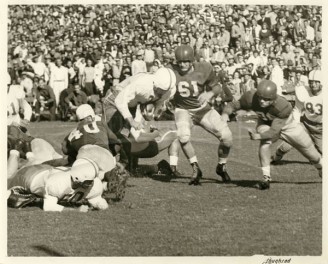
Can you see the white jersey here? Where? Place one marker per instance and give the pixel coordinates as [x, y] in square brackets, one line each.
[138, 89]
[310, 105]
[15, 101]
[55, 186]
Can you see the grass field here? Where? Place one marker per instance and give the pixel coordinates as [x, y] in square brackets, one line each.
[162, 218]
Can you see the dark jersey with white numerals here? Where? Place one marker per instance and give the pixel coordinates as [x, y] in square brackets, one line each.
[94, 133]
[192, 84]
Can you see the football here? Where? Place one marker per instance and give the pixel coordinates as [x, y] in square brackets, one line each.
[147, 111]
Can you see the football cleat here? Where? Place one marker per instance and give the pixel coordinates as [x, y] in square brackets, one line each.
[174, 172]
[196, 174]
[276, 158]
[163, 168]
[263, 185]
[221, 170]
[20, 197]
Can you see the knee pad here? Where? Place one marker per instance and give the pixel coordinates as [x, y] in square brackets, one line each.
[184, 138]
[184, 133]
[226, 137]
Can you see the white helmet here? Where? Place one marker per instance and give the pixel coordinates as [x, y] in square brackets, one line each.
[84, 111]
[164, 78]
[315, 75]
[84, 170]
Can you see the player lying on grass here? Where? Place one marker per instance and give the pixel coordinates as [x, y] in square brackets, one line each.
[64, 188]
[32, 150]
[307, 111]
[274, 121]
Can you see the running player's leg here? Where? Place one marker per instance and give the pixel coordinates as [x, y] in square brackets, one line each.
[264, 157]
[184, 123]
[281, 150]
[299, 138]
[213, 123]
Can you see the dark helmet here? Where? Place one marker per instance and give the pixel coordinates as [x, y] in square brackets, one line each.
[184, 53]
[267, 89]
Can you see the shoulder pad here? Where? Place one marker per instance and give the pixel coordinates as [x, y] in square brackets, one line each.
[203, 66]
[281, 108]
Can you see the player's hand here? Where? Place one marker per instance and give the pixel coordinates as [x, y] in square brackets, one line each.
[253, 135]
[120, 167]
[83, 208]
[136, 125]
[155, 133]
[205, 97]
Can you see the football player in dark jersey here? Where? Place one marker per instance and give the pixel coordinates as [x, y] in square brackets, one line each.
[91, 130]
[274, 121]
[196, 86]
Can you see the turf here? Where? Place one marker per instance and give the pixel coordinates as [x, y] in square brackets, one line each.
[170, 218]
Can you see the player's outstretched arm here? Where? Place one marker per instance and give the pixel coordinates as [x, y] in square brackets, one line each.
[50, 204]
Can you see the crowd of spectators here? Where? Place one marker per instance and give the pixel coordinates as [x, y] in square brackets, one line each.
[66, 55]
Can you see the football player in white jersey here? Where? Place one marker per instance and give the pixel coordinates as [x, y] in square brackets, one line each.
[144, 88]
[60, 188]
[19, 113]
[308, 110]
[120, 105]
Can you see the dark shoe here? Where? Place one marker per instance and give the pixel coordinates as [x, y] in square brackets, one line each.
[275, 159]
[196, 174]
[264, 185]
[174, 172]
[222, 171]
[163, 168]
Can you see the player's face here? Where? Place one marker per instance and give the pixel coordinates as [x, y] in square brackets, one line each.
[184, 65]
[315, 87]
[159, 92]
[264, 102]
